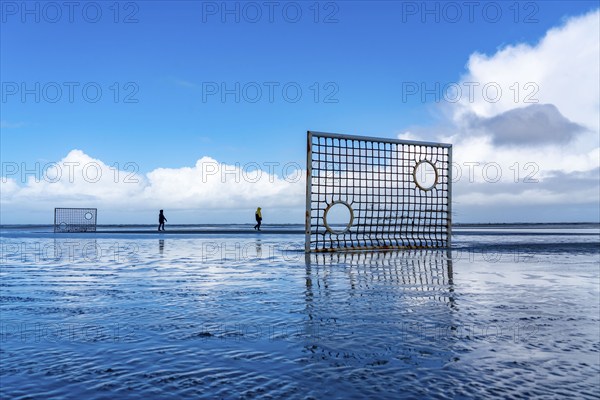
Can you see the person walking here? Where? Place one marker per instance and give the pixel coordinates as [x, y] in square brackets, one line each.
[161, 220]
[258, 216]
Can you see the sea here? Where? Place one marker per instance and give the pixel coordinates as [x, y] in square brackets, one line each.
[224, 312]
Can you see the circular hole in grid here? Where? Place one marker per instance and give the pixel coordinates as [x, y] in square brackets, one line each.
[338, 217]
[425, 175]
[62, 226]
[88, 215]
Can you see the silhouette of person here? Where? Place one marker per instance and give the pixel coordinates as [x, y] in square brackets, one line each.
[258, 217]
[161, 220]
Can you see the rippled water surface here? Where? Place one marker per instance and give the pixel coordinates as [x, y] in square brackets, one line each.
[250, 316]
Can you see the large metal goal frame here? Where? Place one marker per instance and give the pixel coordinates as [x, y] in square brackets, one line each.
[398, 193]
[75, 219]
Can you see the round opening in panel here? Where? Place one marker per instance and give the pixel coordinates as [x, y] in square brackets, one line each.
[338, 217]
[425, 175]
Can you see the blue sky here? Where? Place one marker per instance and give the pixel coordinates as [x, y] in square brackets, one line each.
[167, 56]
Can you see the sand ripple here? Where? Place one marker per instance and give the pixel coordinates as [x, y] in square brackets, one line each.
[210, 318]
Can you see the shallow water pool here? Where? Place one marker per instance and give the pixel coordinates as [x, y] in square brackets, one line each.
[247, 317]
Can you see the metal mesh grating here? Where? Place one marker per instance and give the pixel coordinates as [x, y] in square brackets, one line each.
[397, 193]
[75, 219]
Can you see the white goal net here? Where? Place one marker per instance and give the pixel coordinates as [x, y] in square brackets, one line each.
[75, 219]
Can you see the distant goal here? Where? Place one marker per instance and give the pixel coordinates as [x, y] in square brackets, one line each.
[75, 219]
[375, 193]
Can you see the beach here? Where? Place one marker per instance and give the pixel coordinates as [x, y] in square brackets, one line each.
[508, 311]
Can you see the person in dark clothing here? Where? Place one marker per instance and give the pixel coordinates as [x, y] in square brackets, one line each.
[161, 220]
[258, 216]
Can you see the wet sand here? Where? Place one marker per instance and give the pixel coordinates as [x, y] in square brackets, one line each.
[238, 316]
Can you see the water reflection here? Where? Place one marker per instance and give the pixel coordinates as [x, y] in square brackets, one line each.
[161, 246]
[426, 273]
[258, 248]
[69, 250]
[366, 303]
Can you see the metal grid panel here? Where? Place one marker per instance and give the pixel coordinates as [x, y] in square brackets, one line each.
[75, 219]
[380, 182]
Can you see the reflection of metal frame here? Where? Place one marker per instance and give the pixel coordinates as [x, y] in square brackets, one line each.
[419, 269]
[376, 179]
[75, 219]
[395, 298]
[415, 274]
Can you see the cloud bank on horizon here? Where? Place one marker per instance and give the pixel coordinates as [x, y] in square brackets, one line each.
[79, 180]
[530, 154]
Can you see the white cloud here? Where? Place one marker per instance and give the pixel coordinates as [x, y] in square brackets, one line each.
[11, 125]
[545, 125]
[79, 180]
[562, 69]
[408, 135]
[184, 83]
[561, 132]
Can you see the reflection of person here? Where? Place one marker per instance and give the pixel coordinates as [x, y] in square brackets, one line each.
[161, 220]
[161, 246]
[258, 216]
[258, 249]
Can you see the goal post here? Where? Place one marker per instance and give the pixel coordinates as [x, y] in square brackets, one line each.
[393, 193]
[75, 219]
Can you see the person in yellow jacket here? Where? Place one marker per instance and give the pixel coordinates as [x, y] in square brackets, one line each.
[258, 217]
